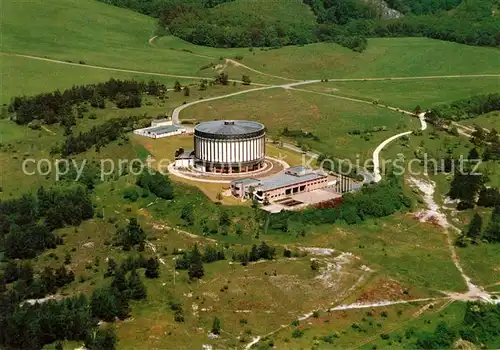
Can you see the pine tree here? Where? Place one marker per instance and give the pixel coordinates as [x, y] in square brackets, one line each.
[254, 254]
[137, 290]
[152, 268]
[493, 231]
[203, 85]
[473, 154]
[216, 326]
[177, 86]
[119, 283]
[187, 92]
[111, 270]
[475, 227]
[246, 80]
[131, 235]
[195, 264]
[103, 339]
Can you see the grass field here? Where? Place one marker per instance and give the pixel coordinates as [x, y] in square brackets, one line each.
[383, 58]
[328, 118]
[362, 328]
[488, 121]
[407, 94]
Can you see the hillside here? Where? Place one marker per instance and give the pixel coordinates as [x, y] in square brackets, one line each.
[244, 23]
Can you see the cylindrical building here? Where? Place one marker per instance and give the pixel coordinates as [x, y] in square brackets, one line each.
[230, 146]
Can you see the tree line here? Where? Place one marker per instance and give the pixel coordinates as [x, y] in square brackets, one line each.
[475, 232]
[157, 184]
[466, 108]
[27, 223]
[98, 136]
[480, 326]
[61, 107]
[345, 22]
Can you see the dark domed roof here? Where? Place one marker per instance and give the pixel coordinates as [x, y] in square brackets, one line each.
[229, 127]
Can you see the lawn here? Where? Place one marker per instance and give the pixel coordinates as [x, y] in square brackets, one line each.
[330, 119]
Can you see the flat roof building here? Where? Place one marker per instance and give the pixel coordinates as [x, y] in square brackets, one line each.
[293, 181]
[157, 132]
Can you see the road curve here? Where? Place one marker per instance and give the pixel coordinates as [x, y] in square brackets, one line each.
[376, 154]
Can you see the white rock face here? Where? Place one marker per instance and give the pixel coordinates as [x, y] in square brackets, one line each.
[384, 10]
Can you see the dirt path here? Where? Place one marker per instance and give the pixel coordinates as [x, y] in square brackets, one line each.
[457, 76]
[116, 69]
[434, 212]
[153, 248]
[48, 130]
[239, 64]
[150, 41]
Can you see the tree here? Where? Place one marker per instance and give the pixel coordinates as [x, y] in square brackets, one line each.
[224, 218]
[103, 339]
[222, 78]
[314, 265]
[177, 86]
[203, 85]
[475, 227]
[238, 228]
[119, 282]
[131, 235]
[473, 154]
[187, 92]
[111, 270]
[219, 196]
[137, 290]
[152, 268]
[11, 271]
[216, 326]
[67, 259]
[195, 264]
[246, 80]
[492, 233]
[418, 110]
[187, 214]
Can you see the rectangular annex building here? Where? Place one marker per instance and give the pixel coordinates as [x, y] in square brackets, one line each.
[160, 128]
[293, 181]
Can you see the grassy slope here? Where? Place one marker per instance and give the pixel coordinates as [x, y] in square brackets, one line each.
[409, 93]
[328, 118]
[383, 58]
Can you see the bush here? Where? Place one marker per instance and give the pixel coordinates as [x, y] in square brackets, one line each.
[297, 333]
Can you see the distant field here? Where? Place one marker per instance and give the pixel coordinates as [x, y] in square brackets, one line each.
[407, 94]
[328, 118]
[24, 76]
[488, 121]
[383, 58]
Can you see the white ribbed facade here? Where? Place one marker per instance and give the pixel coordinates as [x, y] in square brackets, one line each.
[229, 146]
[230, 151]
